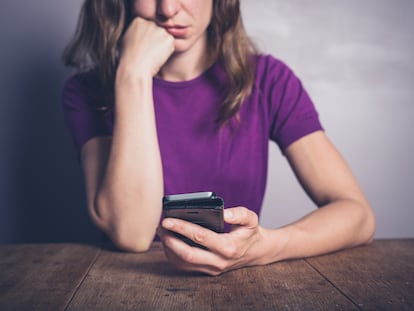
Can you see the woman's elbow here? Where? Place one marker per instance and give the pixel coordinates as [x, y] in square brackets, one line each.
[131, 237]
[133, 245]
[368, 225]
[126, 239]
[125, 235]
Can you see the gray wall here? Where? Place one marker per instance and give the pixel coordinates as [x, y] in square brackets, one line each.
[41, 191]
[354, 58]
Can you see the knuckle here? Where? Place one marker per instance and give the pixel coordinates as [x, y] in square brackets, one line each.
[170, 42]
[231, 251]
[187, 256]
[254, 217]
[136, 22]
[199, 236]
[166, 240]
[214, 273]
[246, 213]
[220, 267]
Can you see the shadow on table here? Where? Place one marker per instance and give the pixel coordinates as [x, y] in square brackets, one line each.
[153, 262]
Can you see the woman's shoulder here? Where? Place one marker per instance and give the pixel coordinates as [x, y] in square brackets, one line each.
[87, 80]
[271, 71]
[267, 63]
[80, 87]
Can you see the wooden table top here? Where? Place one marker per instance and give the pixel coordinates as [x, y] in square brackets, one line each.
[83, 277]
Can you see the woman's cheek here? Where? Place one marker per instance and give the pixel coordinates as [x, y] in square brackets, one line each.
[144, 8]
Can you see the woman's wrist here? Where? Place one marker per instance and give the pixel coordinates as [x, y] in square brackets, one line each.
[131, 89]
[272, 245]
[129, 77]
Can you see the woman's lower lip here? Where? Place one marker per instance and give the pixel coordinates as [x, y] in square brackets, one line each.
[177, 31]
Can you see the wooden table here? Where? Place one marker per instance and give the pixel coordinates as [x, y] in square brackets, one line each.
[82, 277]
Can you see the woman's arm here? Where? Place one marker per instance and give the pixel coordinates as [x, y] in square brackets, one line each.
[124, 174]
[344, 219]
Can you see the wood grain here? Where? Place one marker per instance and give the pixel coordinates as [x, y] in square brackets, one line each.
[81, 277]
[376, 277]
[121, 281]
[42, 276]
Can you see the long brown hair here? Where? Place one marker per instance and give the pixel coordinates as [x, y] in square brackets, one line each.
[101, 25]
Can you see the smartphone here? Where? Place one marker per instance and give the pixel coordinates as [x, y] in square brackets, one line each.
[202, 208]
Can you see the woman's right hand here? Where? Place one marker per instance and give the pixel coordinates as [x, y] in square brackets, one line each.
[145, 48]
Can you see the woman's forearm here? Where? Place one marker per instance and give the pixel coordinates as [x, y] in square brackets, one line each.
[129, 198]
[341, 224]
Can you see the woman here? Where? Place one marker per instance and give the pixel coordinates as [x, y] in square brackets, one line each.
[173, 98]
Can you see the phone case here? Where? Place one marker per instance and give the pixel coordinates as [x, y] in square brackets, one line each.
[202, 208]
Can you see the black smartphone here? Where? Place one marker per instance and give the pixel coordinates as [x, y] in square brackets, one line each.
[202, 208]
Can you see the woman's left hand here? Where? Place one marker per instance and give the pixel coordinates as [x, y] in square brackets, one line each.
[225, 251]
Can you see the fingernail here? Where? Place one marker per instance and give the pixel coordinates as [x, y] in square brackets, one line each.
[168, 224]
[228, 214]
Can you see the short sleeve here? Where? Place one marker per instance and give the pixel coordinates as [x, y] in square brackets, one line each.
[82, 117]
[293, 114]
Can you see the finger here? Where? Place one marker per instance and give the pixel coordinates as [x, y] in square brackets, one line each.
[222, 245]
[196, 233]
[241, 216]
[169, 237]
[212, 241]
[188, 258]
[185, 266]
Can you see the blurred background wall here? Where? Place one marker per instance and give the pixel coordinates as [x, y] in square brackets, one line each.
[354, 58]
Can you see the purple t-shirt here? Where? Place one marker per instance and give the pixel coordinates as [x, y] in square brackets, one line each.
[197, 154]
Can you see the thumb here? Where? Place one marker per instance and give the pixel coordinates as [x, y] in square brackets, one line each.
[241, 216]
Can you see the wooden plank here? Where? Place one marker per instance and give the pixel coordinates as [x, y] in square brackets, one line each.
[376, 277]
[121, 281]
[42, 276]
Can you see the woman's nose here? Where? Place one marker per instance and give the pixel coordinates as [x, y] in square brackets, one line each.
[167, 9]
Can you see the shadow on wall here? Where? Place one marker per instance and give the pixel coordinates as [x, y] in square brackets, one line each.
[47, 187]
